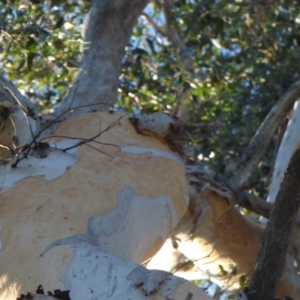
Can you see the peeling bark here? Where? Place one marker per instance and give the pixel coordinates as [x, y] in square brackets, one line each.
[290, 142]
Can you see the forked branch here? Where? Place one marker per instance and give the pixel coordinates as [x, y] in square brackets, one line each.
[263, 136]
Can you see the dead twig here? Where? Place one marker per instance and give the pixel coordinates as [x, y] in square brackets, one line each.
[24, 151]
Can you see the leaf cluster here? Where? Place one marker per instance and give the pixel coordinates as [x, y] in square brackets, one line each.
[39, 45]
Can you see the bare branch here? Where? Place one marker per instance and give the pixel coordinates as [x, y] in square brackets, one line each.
[8, 92]
[220, 185]
[153, 24]
[275, 240]
[24, 151]
[106, 32]
[174, 36]
[263, 136]
[84, 141]
[254, 203]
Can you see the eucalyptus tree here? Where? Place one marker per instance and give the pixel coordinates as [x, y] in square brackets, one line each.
[116, 188]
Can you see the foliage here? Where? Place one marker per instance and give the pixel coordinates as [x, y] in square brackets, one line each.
[242, 58]
[40, 46]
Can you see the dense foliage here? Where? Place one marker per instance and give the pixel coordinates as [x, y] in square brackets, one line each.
[40, 46]
[227, 61]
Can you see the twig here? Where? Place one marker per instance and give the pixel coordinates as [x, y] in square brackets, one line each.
[85, 141]
[172, 33]
[153, 24]
[28, 147]
[244, 199]
[191, 261]
[99, 151]
[79, 138]
[17, 100]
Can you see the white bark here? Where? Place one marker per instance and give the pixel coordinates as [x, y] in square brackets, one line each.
[95, 275]
[121, 193]
[289, 144]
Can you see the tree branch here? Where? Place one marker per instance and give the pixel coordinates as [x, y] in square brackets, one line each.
[220, 184]
[263, 136]
[254, 203]
[275, 240]
[8, 92]
[174, 36]
[106, 32]
[155, 26]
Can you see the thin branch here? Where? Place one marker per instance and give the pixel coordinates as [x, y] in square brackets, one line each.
[175, 37]
[81, 139]
[183, 265]
[263, 136]
[25, 110]
[181, 95]
[221, 185]
[9, 92]
[85, 141]
[153, 24]
[275, 240]
[254, 203]
[88, 145]
[24, 151]
[180, 47]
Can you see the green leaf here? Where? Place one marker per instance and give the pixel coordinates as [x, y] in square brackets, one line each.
[222, 270]
[31, 45]
[46, 49]
[243, 281]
